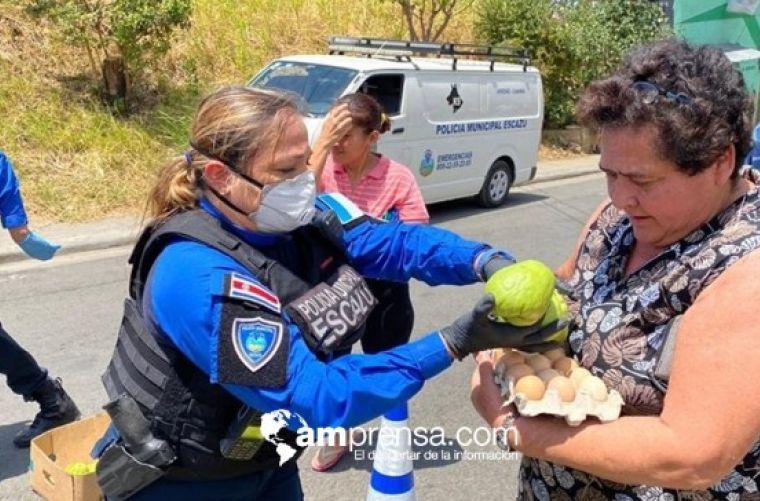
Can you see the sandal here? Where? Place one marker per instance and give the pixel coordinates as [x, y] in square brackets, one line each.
[328, 456]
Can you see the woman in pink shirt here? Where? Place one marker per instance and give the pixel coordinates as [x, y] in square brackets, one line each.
[344, 162]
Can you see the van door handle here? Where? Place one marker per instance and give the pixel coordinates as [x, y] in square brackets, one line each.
[400, 130]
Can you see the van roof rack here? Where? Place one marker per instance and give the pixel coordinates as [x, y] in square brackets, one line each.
[405, 49]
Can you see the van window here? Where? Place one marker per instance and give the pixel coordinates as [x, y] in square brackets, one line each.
[513, 97]
[317, 84]
[387, 89]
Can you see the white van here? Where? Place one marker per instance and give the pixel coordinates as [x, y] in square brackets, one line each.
[465, 127]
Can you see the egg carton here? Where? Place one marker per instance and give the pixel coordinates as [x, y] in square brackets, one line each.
[574, 412]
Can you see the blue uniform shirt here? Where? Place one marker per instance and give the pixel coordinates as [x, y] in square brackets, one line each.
[12, 213]
[180, 303]
[753, 157]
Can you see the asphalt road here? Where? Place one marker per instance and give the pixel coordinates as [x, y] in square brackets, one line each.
[66, 313]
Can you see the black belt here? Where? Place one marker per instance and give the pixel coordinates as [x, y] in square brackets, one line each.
[199, 459]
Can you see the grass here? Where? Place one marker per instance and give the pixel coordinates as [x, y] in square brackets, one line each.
[230, 40]
[78, 160]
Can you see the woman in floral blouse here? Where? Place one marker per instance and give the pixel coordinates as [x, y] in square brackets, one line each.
[678, 237]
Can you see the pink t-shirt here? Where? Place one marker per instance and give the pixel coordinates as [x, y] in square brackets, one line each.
[389, 185]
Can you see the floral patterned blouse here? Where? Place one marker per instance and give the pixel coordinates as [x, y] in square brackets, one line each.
[618, 328]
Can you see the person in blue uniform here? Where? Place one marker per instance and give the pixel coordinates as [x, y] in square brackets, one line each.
[244, 284]
[753, 157]
[24, 376]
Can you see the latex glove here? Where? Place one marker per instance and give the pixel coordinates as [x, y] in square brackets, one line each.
[475, 331]
[34, 245]
[564, 288]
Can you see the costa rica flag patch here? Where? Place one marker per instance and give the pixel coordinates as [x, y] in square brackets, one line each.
[237, 286]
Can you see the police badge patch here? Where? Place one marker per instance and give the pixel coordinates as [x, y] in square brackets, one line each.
[256, 341]
[253, 346]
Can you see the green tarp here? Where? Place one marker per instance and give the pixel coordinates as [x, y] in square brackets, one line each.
[709, 22]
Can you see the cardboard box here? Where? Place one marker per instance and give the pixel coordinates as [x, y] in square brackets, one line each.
[51, 452]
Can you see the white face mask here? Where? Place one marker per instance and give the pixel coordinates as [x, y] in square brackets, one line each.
[283, 206]
[286, 205]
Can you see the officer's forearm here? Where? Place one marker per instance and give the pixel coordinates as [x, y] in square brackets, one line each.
[399, 252]
[357, 388]
[12, 210]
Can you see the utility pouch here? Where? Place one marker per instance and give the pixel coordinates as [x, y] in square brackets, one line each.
[137, 459]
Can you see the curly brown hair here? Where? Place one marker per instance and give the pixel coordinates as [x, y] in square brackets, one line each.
[692, 132]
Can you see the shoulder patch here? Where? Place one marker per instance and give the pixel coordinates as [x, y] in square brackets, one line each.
[253, 346]
[345, 209]
[237, 286]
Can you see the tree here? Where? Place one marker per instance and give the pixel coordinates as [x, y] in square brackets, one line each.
[427, 19]
[121, 37]
[572, 41]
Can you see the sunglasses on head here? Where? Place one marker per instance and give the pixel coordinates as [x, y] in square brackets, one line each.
[650, 91]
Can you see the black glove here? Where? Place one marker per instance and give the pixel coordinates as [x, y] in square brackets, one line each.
[493, 261]
[495, 264]
[330, 227]
[475, 331]
[565, 289]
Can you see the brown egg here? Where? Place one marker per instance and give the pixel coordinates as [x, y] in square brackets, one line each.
[554, 354]
[564, 387]
[594, 387]
[514, 357]
[565, 365]
[547, 375]
[578, 375]
[517, 371]
[531, 387]
[508, 360]
[538, 362]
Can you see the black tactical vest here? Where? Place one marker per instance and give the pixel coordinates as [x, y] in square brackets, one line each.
[184, 408]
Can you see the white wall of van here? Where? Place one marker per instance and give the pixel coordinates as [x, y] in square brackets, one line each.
[463, 132]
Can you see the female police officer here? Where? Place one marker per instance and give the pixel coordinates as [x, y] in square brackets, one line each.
[234, 296]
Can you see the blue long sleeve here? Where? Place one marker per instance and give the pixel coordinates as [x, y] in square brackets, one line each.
[12, 213]
[346, 392]
[350, 390]
[398, 252]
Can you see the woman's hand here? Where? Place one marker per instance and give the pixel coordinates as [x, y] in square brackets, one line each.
[337, 123]
[484, 393]
[483, 356]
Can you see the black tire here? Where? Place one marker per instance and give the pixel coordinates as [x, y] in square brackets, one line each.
[496, 185]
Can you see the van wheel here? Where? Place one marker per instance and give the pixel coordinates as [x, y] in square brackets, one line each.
[496, 185]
